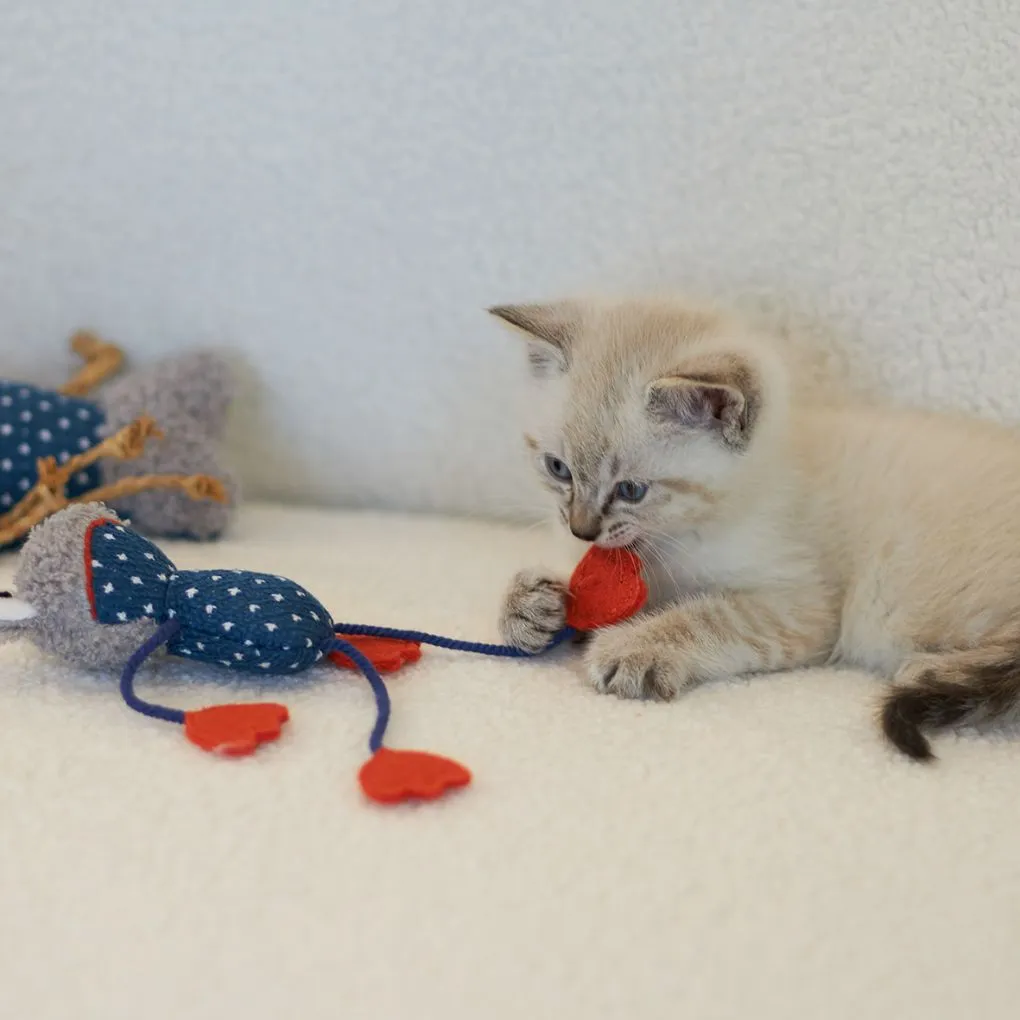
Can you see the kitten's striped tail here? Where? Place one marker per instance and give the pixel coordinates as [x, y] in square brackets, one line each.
[937, 691]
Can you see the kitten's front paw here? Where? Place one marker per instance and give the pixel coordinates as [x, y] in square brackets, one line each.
[630, 662]
[534, 611]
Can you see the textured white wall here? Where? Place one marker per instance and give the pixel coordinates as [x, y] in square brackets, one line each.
[336, 188]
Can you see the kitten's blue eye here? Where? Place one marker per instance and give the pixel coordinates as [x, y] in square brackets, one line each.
[557, 468]
[630, 492]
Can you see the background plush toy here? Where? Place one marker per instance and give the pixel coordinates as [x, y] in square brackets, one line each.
[148, 443]
[93, 592]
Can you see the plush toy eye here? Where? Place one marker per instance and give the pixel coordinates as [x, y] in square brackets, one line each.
[14, 610]
[630, 492]
[557, 468]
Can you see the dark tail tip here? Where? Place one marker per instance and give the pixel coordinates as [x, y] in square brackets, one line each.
[904, 712]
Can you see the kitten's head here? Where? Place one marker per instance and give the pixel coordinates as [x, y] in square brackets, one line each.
[649, 418]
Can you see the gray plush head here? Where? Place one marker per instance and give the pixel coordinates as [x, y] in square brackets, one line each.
[51, 605]
[189, 397]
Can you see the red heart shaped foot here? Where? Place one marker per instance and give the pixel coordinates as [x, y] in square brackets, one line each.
[390, 777]
[235, 730]
[606, 588]
[386, 654]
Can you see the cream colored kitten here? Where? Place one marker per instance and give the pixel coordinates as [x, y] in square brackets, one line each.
[775, 532]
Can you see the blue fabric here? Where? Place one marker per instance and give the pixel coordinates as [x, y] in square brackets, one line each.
[130, 576]
[258, 623]
[248, 622]
[37, 423]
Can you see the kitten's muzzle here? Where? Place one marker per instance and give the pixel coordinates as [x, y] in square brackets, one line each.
[584, 524]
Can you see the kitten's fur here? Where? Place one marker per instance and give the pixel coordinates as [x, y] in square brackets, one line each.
[778, 530]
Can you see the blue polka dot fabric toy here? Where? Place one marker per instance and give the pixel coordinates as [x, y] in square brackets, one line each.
[245, 621]
[38, 423]
[94, 592]
[146, 443]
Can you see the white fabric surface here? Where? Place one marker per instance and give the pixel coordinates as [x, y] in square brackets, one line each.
[334, 192]
[752, 850]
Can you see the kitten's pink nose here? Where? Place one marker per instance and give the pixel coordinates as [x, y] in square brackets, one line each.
[585, 524]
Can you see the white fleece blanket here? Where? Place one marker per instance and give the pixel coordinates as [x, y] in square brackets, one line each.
[751, 851]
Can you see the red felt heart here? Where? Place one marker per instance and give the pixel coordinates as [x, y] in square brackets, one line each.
[386, 654]
[393, 776]
[606, 587]
[235, 730]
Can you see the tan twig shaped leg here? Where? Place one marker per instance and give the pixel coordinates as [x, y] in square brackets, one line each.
[193, 486]
[49, 494]
[102, 360]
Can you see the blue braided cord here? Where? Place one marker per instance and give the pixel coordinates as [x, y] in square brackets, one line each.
[382, 697]
[453, 644]
[127, 679]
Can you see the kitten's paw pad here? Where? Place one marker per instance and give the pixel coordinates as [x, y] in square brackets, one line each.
[534, 611]
[621, 663]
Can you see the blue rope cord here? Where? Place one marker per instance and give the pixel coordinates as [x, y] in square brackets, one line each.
[127, 679]
[382, 697]
[453, 644]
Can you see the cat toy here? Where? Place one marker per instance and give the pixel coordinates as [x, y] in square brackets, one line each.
[147, 443]
[94, 592]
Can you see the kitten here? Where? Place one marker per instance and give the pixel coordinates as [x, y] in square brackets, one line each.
[778, 530]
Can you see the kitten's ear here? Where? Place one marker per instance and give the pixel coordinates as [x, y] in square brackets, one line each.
[724, 396]
[550, 331]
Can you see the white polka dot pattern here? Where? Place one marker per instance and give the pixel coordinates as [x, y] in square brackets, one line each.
[40, 423]
[235, 618]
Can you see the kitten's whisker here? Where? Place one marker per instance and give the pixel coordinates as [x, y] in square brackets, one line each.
[661, 560]
[671, 541]
[536, 524]
[674, 541]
